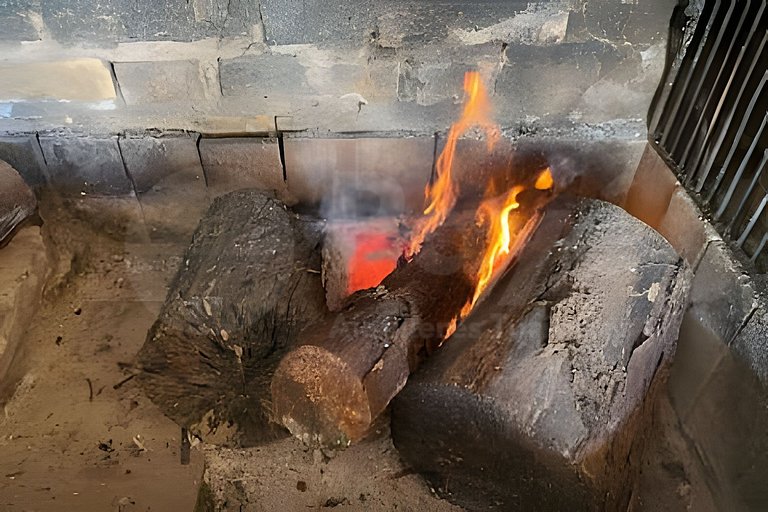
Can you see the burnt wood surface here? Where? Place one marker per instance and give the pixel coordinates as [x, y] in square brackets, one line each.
[17, 202]
[329, 390]
[248, 283]
[541, 400]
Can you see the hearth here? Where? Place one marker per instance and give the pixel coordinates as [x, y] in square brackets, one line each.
[414, 255]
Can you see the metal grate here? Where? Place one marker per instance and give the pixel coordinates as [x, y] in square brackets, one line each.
[711, 122]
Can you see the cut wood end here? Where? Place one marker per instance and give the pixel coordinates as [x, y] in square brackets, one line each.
[319, 400]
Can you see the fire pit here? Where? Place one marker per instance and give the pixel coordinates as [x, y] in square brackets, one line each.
[404, 255]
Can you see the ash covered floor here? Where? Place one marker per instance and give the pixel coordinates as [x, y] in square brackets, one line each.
[76, 435]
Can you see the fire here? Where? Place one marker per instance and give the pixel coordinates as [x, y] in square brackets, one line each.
[505, 232]
[441, 195]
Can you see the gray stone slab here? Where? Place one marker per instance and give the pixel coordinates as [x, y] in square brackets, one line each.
[16, 20]
[242, 162]
[169, 182]
[396, 23]
[85, 166]
[751, 343]
[24, 155]
[263, 75]
[109, 21]
[144, 83]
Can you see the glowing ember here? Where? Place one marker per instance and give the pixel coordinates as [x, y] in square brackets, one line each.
[441, 195]
[374, 258]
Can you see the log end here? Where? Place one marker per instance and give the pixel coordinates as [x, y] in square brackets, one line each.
[317, 397]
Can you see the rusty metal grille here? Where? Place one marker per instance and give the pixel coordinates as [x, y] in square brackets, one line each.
[710, 123]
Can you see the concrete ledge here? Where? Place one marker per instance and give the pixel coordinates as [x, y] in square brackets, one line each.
[23, 270]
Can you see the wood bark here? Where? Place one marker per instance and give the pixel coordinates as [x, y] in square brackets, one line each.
[542, 398]
[329, 390]
[248, 284]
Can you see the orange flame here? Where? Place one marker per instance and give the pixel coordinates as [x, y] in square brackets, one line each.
[441, 195]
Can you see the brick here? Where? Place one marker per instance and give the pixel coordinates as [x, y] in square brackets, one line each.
[17, 17]
[388, 23]
[24, 155]
[144, 83]
[685, 228]
[652, 188]
[75, 80]
[23, 269]
[169, 182]
[239, 163]
[263, 75]
[751, 343]
[85, 165]
[360, 176]
[110, 21]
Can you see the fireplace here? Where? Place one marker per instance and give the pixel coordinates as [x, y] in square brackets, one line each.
[409, 255]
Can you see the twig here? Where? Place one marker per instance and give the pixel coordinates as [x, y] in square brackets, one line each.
[90, 389]
[120, 384]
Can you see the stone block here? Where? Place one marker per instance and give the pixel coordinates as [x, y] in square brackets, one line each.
[85, 166]
[547, 81]
[263, 75]
[239, 163]
[23, 154]
[19, 20]
[391, 24]
[82, 79]
[359, 176]
[23, 270]
[169, 182]
[110, 21]
[143, 83]
[652, 188]
[722, 294]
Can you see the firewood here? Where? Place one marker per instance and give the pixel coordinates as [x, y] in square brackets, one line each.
[248, 283]
[17, 202]
[329, 390]
[541, 399]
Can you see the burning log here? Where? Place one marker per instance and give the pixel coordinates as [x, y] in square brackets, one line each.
[248, 284]
[541, 400]
[329, 390]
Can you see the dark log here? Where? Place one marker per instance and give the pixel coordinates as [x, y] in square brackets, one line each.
[17, 202]
[542, 398]
[249, 282]
[329, 390]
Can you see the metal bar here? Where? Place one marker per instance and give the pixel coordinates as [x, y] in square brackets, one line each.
[750, 189]
[742, 167]
[705, 169]
[752, 221]
[759, 249]
[739, 133]
[672, 145]
[679, 89]
[713, 90]
[745, 118]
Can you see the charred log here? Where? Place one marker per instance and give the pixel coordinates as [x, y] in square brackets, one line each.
[541, 399]
[249, 282]
[17, 202]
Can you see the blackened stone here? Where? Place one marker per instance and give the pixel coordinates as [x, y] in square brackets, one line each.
[85, 165]
[24, 155]
[263, 75]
